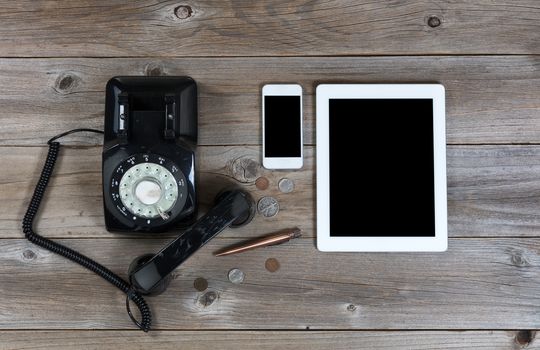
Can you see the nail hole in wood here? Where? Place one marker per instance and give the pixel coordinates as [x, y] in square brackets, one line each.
[434, 21]
[183, 11]
[525, 337]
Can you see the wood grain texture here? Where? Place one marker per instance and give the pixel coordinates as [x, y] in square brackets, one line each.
[272, 340]
[55, 59]
[492, 190]
[267, 28]
[73, 205]
[477, 284]
[488, 99]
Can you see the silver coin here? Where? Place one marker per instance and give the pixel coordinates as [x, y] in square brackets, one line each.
[236, 276]
[268, 206]
[286, 185]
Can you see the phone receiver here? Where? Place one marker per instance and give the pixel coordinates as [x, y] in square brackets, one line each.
[149, 274]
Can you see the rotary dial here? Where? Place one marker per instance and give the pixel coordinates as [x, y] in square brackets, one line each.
[148, 190]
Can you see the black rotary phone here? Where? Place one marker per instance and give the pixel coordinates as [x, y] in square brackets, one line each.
[148, 183]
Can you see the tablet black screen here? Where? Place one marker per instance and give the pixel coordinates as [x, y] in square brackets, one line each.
[390, 142]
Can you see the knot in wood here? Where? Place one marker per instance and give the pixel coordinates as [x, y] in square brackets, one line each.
[434, 21]
[29, 254]
[351, 307]
[245, 169]
[525, 338]
[207, 298]
[154, 70]
[183, 12]
[518, 259]
[66, 82]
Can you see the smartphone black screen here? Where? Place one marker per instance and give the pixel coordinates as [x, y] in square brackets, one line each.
[282, 126]
[381, 167]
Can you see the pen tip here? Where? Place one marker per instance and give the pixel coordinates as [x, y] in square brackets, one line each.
[296, 233]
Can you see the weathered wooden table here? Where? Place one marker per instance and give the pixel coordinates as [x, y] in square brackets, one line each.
[483, 293]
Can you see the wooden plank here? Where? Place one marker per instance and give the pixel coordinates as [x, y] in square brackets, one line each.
[492, 190]
[489, 99]
[481, 284]
[247, 340]
[73, 206]
[254, 28]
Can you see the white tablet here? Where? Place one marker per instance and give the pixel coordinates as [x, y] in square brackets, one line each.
[381, 168]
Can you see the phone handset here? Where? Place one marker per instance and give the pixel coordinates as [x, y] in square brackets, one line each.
[150, 274]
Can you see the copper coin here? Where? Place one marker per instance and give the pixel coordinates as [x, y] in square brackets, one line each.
[262, 183]
[272, 264]
[200, 284]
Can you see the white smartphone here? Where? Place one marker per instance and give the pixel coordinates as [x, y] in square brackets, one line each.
[282, 126]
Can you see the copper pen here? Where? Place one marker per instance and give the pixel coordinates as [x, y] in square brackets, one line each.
[273, 239]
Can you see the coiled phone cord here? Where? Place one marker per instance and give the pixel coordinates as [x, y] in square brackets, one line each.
[69, 253]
